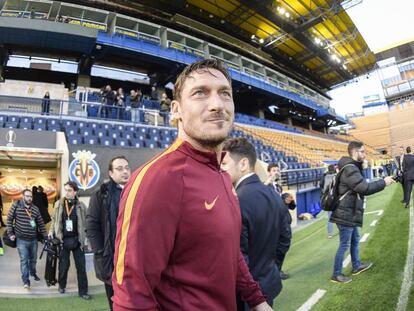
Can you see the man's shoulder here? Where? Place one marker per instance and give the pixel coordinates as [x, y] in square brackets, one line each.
[164, 168]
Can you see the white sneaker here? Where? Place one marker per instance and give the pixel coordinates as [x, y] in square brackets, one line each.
[26, 286]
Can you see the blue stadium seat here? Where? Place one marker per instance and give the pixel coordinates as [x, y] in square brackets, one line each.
[93, 125]
[148, 143]
[67, 123]
[101, 132]
[39, 126]
[128, 135]
[106, 126]
[81, 124]
[13, 119]
[53, 122]
[122, 142]
[54, 128]
[114, 134]
[91, 140]
[3, 118]
[75, 139]
[26, 125]
[106, 141]
[119, 127]
[137, 143]
[86, 132]
[72, 130]
[39, 121]
[11, 125]
[26, 120]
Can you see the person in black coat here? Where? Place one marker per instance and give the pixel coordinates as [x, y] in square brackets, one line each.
[408, 173]
[101, 221]
[349, 213]
[265, 227]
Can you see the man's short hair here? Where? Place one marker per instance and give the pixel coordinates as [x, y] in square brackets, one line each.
[116, 158]
[354, 145]
[331, 168]
[241, 148]
[272, 165]
[200, 66]
[286, 195]
[408, 149]
[26, 190]
[72, 184]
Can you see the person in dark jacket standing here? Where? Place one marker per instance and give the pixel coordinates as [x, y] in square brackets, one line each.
[399, 162]
[46, 104]
[408, 172]
[68, 225]
[265, 227]
[101, 221]
[349, 213]
[23, 222]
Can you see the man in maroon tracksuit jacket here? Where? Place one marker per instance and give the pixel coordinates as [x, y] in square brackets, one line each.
[177, 244]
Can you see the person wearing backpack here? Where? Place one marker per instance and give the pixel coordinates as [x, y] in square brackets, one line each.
[325, 181]
[349, 211]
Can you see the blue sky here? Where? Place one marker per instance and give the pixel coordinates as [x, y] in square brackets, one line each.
[383, 24]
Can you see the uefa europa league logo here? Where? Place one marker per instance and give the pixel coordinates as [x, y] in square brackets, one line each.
[10, 138]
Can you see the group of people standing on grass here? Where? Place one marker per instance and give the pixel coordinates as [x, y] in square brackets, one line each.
[195, 228]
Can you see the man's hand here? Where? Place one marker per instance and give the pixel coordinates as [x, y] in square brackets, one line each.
[389, 180]
[12, 237]
[50, 236]
[262, 307]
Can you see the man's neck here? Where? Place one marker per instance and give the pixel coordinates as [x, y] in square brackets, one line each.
[246, 175]
[196, 145]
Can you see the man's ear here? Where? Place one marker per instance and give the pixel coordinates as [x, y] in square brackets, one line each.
[176, 110]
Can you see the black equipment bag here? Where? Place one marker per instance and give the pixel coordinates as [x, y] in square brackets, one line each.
[52, 248]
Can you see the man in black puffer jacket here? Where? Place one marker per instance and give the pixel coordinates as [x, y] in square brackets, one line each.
[349, 214]
[101, 221]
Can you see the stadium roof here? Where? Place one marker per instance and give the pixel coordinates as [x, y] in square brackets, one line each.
[313, 39]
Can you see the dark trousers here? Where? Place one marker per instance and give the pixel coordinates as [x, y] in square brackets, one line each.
[408, 187]
[64, 264]
[109, 294]
[280, 258]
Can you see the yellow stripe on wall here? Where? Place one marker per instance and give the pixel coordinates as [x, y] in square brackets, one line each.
[120, 264]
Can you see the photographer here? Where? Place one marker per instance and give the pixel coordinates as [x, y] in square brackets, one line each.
[349, 213]
[68, 225]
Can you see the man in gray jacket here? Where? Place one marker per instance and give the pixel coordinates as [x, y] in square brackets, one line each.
[349, 214]
[68, 225]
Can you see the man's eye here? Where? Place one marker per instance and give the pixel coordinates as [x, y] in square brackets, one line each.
[199, 92]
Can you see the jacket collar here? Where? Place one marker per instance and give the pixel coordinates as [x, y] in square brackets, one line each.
[208, 158]
[251, 179]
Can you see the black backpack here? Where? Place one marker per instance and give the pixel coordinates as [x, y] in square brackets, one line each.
[330, 196]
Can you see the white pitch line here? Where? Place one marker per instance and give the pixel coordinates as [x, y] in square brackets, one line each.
[346, 261]
[373, 223]
[364, 238]
[312, 300]
[408, 269]
[379, 212]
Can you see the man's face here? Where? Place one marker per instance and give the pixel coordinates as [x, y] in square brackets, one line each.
[69, 192]
[27, 197]
[401, 150]
[206, 108]
[288, 199]
[275, 173]
[359, 154]
[232, 167]
[120, 171]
